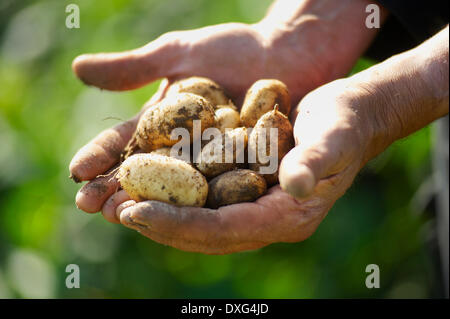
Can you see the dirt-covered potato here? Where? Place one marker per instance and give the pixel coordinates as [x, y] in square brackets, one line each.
[166, 151]
[176, 111]
[205, 87]
[162, 151]
[285, 141]
[162, 178]
[230, 104]
[213, 159]
[261, 98]
[237, 186]
[227, 117]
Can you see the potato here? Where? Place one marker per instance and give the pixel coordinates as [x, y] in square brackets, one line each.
[212, 161]
[162, 178]
[227, 117]
[272, 119]
[162, 151]
[176, 111]
[167, 150]
[241, 185]
[230, 105]
[205, 87]
[261, 98]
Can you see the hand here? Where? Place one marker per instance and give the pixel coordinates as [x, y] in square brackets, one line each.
[205, 52]
[331, 139]
[216, 52]
[295, 53]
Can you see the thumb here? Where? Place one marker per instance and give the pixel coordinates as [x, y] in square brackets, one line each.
[303, 167]
[130, 69]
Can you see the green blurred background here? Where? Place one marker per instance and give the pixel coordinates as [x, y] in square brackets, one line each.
[46, 114]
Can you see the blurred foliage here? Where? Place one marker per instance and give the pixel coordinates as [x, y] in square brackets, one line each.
[46, 114]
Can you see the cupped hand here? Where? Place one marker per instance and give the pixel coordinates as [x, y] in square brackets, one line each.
[235, 56]
[331, 141]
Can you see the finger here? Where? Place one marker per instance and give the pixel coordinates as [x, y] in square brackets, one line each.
[159, 94]
[111, 204]
[231, 228]
[123, 206]
[91, 197]
[131, 69]
[101, 153]
[305, 165]
[187, 228]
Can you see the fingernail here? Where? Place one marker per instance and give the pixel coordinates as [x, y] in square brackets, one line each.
[122, 207]
[75, 178]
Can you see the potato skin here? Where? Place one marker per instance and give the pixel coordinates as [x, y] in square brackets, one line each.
[162, 178]
[176, 111]
[227, 117]
[241, 185]
[204, 87]
[166, 150]
[272, 119]
[212, 164]
[261, 97]
[162, 151]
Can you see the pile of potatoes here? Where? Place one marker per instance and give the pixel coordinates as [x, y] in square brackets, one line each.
[206, 179]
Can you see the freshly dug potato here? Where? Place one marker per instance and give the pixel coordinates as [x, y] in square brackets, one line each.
[227, 117]
[205, 87]
[162, 151]
[241, 185]
[261, 98]
[230, 105]
[162, 178]
[212, 161]
[176, 111]
[272, 119]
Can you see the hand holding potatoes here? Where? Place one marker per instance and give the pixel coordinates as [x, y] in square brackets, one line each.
[273, 217]
[196, 105]
[245, 214]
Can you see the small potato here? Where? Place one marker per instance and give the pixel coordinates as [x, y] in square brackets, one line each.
[230, 105]
[227, 117]
[285, 142]
[166, 151]
[261, 98]
[162, 178]
[241, 185]
[205, 87]
[162, 151]
[213, 160]
[177, 111]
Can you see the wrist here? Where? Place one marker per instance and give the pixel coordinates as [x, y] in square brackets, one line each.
[371, 104]
[330, 34]
[432, 60]
[400, 96]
